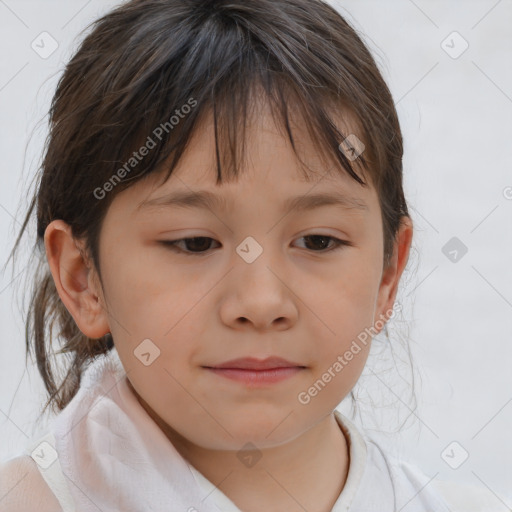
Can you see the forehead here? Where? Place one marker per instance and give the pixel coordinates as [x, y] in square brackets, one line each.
[272, 172]
[270, 162]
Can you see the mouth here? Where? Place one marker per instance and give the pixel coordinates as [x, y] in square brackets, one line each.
[257, 372]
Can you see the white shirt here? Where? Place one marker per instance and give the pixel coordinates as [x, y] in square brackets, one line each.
[104, 452]
[374, 483]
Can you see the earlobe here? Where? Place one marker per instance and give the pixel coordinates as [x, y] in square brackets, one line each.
[392, 274]
[72, 275]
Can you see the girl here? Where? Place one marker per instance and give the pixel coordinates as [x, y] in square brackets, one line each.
[204, 378]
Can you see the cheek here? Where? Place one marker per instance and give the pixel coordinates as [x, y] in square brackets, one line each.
[345, 299]
[163, 310]
[145, 297]
[345, 307]
[339, 364]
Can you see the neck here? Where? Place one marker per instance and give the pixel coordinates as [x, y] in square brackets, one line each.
[308, 473]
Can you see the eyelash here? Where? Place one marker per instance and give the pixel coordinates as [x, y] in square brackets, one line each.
[172, 244]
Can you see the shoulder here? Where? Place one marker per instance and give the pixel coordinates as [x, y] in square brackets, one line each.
[459, 497]
[22, 488]
[462, 497]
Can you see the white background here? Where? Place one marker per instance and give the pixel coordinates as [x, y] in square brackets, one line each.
[456, 116]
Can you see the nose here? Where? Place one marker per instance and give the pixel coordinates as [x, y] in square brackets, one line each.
[259, 295]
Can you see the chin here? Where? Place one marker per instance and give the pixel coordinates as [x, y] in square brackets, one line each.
[243, 438]
[266, 431]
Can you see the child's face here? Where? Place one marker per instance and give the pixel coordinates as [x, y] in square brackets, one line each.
[296, 300]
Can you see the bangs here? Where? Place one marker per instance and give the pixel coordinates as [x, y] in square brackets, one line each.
[239, 102]
[227, 66]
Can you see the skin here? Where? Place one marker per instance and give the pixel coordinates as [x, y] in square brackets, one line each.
[294, 301]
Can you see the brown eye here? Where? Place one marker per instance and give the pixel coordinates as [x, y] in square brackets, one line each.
[196, 245]
[320, 243]
[199, 245]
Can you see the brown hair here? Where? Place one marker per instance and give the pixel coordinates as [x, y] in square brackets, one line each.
[147, 58]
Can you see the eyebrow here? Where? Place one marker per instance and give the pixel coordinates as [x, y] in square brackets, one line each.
[209, 201]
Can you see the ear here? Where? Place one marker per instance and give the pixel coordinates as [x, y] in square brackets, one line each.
[393, 272]
[76, 280]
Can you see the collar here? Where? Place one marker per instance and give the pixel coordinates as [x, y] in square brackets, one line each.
[357, 460]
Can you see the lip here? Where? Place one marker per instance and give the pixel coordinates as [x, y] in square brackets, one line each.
[252, 363]
[257, 372]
